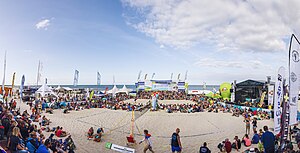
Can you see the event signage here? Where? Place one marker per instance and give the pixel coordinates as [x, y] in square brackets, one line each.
[278, 99]
[270, 95]
[294, 73]
[119, 148]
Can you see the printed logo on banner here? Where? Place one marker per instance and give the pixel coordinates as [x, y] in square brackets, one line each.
[293, 77]
[295, 56]
[294, 100]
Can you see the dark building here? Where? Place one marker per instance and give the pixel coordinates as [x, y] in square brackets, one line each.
[249, 89]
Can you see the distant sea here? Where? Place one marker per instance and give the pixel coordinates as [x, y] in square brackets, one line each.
[103, 87]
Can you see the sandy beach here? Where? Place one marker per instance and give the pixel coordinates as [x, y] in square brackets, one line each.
[195, 128]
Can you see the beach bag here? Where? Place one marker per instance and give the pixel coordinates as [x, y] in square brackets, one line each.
[260, 147]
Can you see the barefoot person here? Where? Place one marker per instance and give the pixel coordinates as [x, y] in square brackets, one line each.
[147, 140]
[175, 142]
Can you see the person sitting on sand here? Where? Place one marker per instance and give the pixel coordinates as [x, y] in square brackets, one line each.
[246, 140]
[98, 135]
[91, 132]
[255, 138]
[61, 133]
[236, 144]
[147, 140]
[204, 149]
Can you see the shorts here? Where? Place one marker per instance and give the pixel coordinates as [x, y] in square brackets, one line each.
[254, 127]
[175, 148]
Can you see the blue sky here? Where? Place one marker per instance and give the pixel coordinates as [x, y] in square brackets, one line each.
[120, 38]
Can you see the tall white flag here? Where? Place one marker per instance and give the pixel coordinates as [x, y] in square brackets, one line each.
[3, 82]
[278, 99]
[76, 77]
[294, 73]
[98, 78]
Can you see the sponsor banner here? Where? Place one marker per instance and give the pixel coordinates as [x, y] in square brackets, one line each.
[119, 148]
[270, 94]
[278, 99]
[294, 73]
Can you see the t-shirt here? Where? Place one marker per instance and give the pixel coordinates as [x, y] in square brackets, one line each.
[254, 123]
[42, 149]
[255, 139]
[268, 140]
[247, 142]
[58, 133]
[204, 150]
[228, 146]
[174, 140]
[14, 141]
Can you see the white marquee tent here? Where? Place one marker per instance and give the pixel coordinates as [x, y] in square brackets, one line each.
[124, 90]
[45, 90]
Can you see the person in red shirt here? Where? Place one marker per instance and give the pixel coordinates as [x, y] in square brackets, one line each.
[60, 133]
[227, 146]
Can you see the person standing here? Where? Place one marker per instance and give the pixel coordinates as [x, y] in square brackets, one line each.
[204, 149]
[268, 140]
[254, 124]
[247, 126]
[148, 142]
[175, 142]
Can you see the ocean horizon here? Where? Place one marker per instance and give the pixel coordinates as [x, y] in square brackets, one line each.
[133, 87]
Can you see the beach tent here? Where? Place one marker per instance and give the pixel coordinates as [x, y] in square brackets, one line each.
[68, 88]
[59, 88]
[124, 90]
[45, 90]
[114, 90]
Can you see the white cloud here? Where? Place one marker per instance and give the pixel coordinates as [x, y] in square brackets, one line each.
[242, 64]
[255, 26]
[43, 24]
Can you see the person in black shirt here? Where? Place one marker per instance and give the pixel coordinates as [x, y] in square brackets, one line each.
[254, 123]
[204, 148]
[14, 143]
[175, 142]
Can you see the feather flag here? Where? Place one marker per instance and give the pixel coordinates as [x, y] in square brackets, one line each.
[76, 76]
[39, 73]
[139, 76]
[98, 79]
[22, 86]
[171, 76]
[185, 77]
[13, 83]
[294, 82]
[3, 82]
[152, 76]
